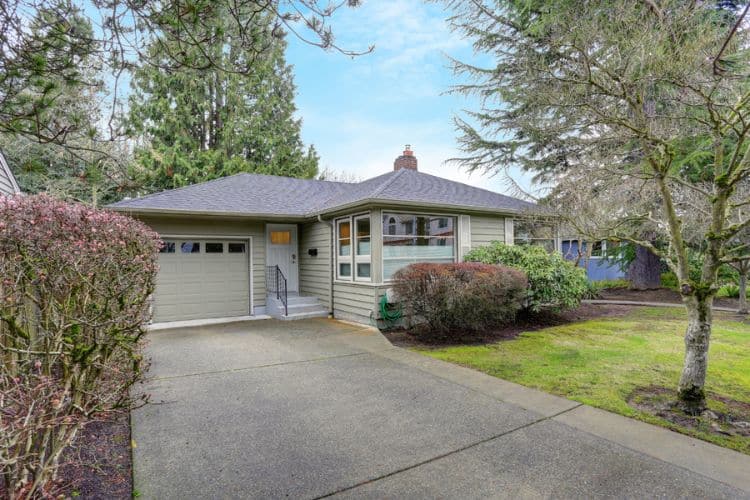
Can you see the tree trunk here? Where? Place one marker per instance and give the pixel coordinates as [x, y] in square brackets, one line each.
[743, 294]
[644, 272]
[697, 336]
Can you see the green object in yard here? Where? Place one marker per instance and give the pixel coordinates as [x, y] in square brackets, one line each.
[389, 314]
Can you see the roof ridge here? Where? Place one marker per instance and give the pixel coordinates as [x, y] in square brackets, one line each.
[387, 183]
[477, 187]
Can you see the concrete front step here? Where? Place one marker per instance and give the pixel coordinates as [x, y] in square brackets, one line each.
[306, 315]
[299, 307]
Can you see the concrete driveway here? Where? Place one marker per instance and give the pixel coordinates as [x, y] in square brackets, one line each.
[308, 409]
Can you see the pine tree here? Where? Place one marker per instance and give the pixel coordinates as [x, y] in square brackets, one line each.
[200, 123]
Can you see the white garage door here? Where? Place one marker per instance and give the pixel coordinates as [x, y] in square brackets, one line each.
[202, 279]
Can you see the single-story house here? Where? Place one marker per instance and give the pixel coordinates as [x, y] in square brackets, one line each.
[8, 184]
[335, 245]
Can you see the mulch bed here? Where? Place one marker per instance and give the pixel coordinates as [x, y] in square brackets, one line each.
[657, 295]
[524, 323]
[100, 462]
[733, 419]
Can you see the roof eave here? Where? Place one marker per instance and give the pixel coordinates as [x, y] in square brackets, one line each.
[206, 213]
[413, 204]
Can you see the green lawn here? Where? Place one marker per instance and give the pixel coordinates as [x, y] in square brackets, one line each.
[601, 362]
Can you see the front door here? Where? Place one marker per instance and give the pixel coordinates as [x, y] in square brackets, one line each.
[281, 250]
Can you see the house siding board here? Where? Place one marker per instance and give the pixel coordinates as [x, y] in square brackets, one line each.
[6, 187]
[218, 227]
[485, 230]
[315, 272]
[8, 184]
[357, 302]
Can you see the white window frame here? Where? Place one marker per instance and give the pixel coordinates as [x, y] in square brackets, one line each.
[343, 259]
[431, 215]
[352, 259]
[360, 259]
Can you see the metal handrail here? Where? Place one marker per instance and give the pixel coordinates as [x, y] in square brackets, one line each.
[279, 280]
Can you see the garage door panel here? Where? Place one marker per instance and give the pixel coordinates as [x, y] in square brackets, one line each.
[201, 285]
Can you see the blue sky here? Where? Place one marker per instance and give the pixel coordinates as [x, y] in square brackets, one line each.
[360, 112]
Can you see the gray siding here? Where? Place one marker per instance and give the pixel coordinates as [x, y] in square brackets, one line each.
[315, 272]
[356, 302]
[486, 229]
[220, 227]
[8, 185]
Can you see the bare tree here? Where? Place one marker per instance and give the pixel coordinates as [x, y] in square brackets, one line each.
[598, 96]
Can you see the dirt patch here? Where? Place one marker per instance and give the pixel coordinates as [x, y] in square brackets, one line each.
[657, 295]
[100, 465]
[725, 417]
[524, 322]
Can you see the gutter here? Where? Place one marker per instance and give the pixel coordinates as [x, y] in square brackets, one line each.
[331, 263]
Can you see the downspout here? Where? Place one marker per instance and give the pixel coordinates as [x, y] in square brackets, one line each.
[331, 263]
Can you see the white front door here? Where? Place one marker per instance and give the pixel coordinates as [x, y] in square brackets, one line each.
[281, 250]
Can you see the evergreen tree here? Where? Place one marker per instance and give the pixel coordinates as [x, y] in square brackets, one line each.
[199, 123]
[85, 168]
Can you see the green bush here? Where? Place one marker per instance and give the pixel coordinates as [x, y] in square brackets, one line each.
[729, 290]
[467, 296]
[554, 283]
[669, 280]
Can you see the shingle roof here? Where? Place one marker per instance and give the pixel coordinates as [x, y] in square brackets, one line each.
[253, 194]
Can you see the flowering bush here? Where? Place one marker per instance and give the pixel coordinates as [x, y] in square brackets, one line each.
[554, 283]
[73, 302]
[469, 296]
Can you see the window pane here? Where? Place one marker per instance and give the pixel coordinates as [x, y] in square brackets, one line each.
[527, 230]
[363, 246]
[363, 270]
[344, 230]
[214, 247]
[363, 227]
[281, 237]
[190, 247]
[345, 247]
[345, 269]
[236, 247]
[417, 248]
[167, 247]
[417, 225]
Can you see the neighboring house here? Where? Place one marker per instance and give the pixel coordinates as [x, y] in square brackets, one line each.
[598, 268]
[336, 244]
[8, 184]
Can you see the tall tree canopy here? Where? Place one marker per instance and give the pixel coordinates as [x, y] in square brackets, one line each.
[197, 124]
[39, 53]
[84, 168]
[602, 97]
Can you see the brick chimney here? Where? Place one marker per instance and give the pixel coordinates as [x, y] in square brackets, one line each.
[406, 160]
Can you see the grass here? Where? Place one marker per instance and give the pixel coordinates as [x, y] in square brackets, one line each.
[601, 362]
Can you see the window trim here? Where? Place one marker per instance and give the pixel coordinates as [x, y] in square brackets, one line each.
[352, 259]
[390, 213]
[360, 259]
[339, 257]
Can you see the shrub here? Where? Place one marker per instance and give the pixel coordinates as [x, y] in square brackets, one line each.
[469, 296]
[73, 301]
[729, 290]
[554, 283]
[669, 280]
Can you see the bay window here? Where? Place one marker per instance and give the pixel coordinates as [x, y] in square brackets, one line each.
[353, 248]
[409, 239]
